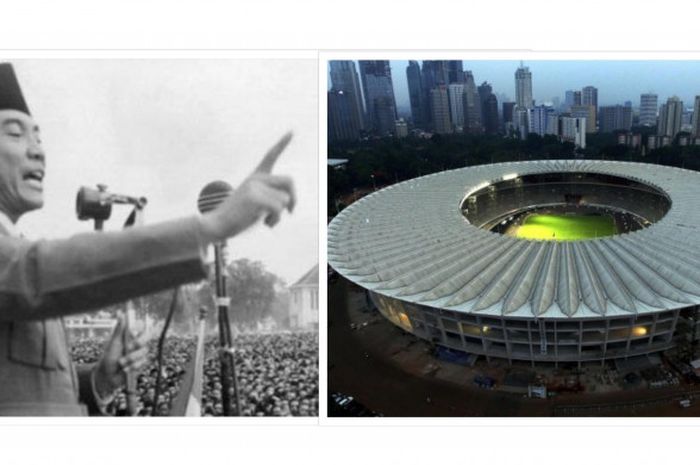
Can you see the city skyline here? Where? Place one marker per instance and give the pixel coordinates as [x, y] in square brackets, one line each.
[616, 80]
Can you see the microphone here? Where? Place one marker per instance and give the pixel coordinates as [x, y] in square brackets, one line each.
[212, 195]
[96, 204]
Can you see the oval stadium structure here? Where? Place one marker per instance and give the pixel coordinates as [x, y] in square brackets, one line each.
[542, 261]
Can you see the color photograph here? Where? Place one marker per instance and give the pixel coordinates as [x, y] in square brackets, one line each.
[523, 247]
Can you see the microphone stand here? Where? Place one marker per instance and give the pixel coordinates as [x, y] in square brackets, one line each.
[136, 217]
[226, 354]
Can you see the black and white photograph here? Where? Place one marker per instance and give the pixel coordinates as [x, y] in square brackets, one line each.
[159, 237]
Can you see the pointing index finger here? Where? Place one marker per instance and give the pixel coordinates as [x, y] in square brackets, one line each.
[273, 154]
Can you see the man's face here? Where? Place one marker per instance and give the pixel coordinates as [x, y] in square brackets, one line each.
[22, 163]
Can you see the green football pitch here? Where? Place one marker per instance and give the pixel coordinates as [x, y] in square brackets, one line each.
[565, 227]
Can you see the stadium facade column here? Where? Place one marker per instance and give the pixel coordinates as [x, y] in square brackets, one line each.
[509, 347]
[676, 315]
[529, 339]
[441, 327]
[580, 342]
[652, 333]
[483, 339]
[461, 335]
[556, 345]
[605, 341]
[633, 320]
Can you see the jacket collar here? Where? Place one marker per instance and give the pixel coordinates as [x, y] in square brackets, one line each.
[7, 226]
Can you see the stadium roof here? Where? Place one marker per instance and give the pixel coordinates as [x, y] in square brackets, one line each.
[411, 241]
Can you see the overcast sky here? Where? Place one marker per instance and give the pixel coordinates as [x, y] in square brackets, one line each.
[616, 80]
[165, 128]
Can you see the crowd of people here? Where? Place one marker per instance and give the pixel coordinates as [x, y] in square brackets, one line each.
[277, 374]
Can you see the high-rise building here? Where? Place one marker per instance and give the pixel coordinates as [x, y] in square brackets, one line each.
[489, 108]
[523, 87]
[384, 116]
[440, 109]
[543, 120]
[571, 98]
[401, 128]
[436, 73]
[343, 123]
[377, 85]
[589, 96]
[456, 97]
[568, 99]
[472, 105]
[574, 130]
[696, 117]
[433, 73]
[648, 106]
[491, 124]
[587, 112]
[344, 79]
[455, 72]
[507, 112]
[670, 116]
[615, 118]
[416, 94]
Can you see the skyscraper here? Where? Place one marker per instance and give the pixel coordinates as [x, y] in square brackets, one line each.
[455, 72]
[377, 85]
[507, 112]
[344, 79]
[571, 98]
[491, 124]
[384, 116]
[615, 118]
[587, 112]
[343, 123]
[472, 105]
[489, 108]
[456, 97]
[670, 116]
[589, 96]
[440, 109]
[696, 117]
[543, 120]
[416, 94]
[648, 106]
[523, 87]
[574, 130]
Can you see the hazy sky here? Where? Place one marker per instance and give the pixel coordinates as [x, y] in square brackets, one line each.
[617, 81]
[165, 128]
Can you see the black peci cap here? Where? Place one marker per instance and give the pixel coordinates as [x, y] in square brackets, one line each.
[11, 97]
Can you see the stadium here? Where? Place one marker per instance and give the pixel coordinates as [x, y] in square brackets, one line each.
[558, 263]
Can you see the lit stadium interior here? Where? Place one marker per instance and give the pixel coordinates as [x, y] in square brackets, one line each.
[565, 206]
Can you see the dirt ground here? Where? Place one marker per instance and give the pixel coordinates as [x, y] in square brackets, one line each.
[393, 373]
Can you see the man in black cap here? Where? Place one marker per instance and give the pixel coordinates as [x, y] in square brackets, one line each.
[44, 280]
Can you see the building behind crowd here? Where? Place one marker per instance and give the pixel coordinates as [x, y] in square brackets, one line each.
[98, 325]
[303, 305]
